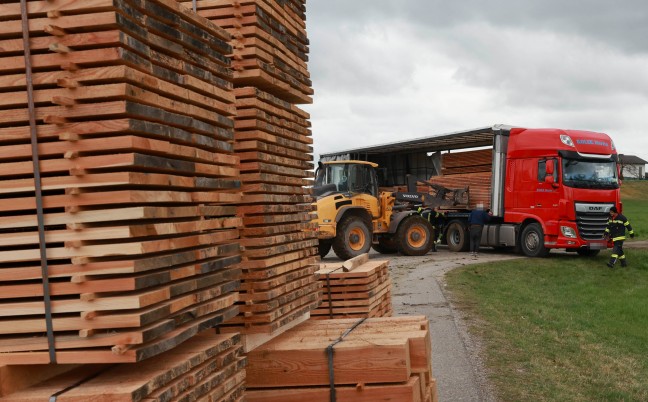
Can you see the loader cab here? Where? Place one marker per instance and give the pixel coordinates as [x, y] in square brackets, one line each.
[348, 177]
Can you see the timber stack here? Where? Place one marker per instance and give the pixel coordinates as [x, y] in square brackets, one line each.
[273, 141]
[470, 169]
[133, 112]
[348, 360]
[203, 368]
[354, 292]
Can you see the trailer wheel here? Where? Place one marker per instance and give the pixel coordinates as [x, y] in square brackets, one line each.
[324, 247]
[353, 237]
[457, 237]
[385, 246]
[415, 236]
[532, 241]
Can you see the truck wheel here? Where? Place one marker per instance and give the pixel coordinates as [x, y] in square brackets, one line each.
[385, 246]
[415, 236]
[532, 241]
[353, 238]
[324, 247]
[457, 237]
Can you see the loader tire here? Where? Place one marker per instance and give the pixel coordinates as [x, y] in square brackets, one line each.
[353, 237]
[415, 236]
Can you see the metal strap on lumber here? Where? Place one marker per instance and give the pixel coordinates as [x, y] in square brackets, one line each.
[37, 183]
[328, 288]
[194, 5]
[329, 353]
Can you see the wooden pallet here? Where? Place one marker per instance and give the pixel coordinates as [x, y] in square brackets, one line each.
[134, 116]
[206, 366]
[364, 291]
[389, 357]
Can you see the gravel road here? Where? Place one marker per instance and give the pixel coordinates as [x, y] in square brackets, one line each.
[418, 289]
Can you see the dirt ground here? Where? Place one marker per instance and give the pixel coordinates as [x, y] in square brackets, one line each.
[419, 289]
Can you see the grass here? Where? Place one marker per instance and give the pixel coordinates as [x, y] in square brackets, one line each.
[634, 195]
[564, 328]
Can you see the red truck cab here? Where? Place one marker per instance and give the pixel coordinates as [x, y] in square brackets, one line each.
[559, 186]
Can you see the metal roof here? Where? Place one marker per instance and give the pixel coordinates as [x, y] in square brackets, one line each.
[460, 139]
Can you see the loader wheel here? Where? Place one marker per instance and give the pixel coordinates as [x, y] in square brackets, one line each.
[457, 237]
[324, 247]
[353, 238]
[532, 241]
[415, 236]
[385, 246]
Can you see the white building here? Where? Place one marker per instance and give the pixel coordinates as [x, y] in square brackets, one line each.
[632, 167]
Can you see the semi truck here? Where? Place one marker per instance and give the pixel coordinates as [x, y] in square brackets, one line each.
[546, 188]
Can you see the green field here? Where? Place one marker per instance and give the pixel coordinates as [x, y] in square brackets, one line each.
[564, 328]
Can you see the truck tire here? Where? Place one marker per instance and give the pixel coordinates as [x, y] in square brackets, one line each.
[415, 236]
[385, 246]
[324, 247]
[532, 241]
[353, 237]
[457, 237]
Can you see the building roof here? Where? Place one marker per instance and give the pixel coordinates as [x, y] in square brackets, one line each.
[631, 160]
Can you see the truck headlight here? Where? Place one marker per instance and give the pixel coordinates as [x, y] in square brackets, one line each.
[568, 231]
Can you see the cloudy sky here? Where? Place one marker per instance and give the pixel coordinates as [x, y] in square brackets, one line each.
[390, 70]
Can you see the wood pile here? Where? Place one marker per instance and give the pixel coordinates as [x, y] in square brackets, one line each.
[386, 359]
[209, 367]
[134, 119]
[274, 143]
[470, 169]
[364, 291]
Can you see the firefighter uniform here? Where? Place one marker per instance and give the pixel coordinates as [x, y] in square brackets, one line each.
[436, 218]
[615, 231]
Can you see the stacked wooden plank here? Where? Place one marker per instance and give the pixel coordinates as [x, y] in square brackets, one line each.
[270, 44]
[274, 143]
[133, 109]
[470, 169]
[364, 291]
[203, 368]
[385, 359]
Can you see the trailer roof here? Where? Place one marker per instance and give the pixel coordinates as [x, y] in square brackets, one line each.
[460, 139]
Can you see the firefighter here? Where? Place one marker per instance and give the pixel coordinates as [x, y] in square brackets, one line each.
[615, 231]
[437, 219]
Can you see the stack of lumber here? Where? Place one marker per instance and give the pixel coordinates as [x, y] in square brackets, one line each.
[203, 368]
[134, 117]
[470, 169]
[270, 43]
[378, 359]
[362, 291]
[274, 143]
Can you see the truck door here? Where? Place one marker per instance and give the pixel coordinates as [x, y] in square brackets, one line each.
[547, 195]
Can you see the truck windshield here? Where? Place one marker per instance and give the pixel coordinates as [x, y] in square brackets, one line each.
[589, 174]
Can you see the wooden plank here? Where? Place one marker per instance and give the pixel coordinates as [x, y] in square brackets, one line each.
[136, 382]
[355, 362]
[394, 392]
[128, 161]
[125, 197]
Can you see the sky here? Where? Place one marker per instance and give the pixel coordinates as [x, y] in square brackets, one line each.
[385, 71]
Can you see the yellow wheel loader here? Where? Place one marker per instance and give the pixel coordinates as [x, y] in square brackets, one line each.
[353, 216]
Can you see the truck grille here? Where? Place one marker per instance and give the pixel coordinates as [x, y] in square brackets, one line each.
[591, 225]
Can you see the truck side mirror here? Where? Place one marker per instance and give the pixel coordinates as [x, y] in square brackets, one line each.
[549, 167]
